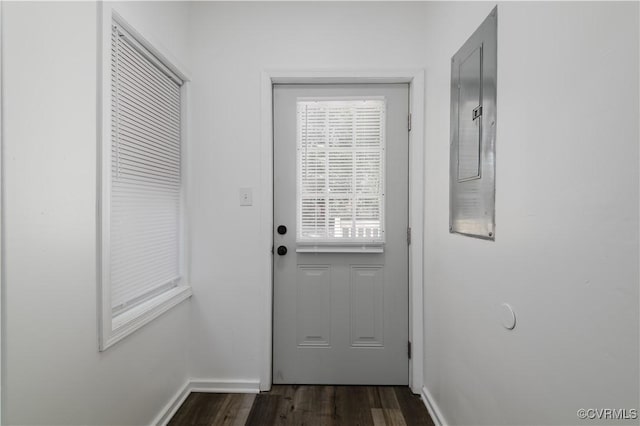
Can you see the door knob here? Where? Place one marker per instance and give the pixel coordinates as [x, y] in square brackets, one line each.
[282, 229]
[282, 250]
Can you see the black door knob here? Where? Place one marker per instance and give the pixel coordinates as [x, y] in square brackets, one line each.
[282, 229]
[282, 250]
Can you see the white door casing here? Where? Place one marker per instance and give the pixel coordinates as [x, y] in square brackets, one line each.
[341, 310]
[416, 80]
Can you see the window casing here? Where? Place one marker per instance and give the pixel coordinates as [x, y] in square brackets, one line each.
[340, 172]
[142, 194]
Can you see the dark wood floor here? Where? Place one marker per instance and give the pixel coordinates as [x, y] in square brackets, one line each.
[306, 405]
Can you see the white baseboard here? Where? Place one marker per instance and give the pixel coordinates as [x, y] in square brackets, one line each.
[202, 385]
[172, 406]
[432, 407]
[224, 386]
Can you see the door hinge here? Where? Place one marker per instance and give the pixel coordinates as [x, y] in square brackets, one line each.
[409, 349]
[409, 122]
[409, 236]
[477, 112]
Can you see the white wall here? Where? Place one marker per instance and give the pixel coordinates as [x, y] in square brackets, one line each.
[53, 372]
[566, 254]
[232, 43]
[566, 249]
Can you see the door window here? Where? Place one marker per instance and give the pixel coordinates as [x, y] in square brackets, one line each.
[340, 171]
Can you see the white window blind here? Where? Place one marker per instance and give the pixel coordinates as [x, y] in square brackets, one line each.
[340, 174]
[145, 197]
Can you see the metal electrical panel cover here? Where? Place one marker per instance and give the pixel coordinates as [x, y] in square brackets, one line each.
[473, 133]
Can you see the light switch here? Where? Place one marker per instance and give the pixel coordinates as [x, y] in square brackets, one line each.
[246, 197]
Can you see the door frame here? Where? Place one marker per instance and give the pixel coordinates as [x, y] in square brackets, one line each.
[3, 284]
[416, 80]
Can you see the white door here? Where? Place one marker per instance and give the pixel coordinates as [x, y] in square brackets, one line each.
[341, 216]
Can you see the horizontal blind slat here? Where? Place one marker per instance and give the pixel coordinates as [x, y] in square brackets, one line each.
[142, 191]
[153, 93]
[141, 96]
[146, 70]
[146, 122]
[136, 150]
[144, 168]
[130, 104]
[147, 91]
[141, 181]
[130, 134]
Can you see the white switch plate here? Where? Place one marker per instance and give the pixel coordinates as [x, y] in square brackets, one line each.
[246, 197]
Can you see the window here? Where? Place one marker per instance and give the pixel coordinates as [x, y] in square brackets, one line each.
[341, 152]
[142, 190]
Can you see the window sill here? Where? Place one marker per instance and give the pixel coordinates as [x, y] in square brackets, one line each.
[126, 323]
[340, 249]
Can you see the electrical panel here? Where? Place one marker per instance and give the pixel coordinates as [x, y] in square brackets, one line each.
[473, 133]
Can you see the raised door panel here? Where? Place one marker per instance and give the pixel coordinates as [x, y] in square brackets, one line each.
[366, 305]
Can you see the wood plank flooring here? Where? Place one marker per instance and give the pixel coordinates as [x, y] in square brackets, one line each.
[301, 405]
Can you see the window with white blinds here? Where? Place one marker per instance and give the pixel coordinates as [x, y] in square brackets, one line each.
[340, 171]
[145, 190]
